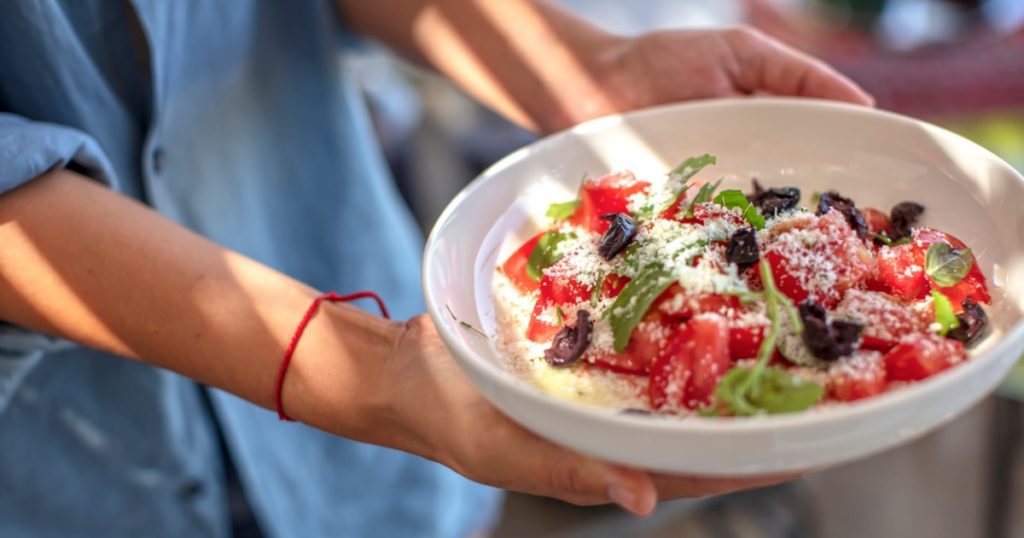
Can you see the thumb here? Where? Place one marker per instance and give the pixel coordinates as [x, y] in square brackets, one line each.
[766, 65]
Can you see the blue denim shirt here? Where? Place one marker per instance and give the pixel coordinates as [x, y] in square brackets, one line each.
[235, 119]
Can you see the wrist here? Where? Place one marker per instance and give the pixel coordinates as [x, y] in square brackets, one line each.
[337, 379]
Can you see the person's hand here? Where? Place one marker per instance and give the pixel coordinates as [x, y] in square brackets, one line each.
[680, 65]
[456, 426]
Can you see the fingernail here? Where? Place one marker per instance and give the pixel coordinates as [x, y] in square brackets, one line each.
[623, 497]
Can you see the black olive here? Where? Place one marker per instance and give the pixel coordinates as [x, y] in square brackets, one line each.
[973, 324]
[619, 235]
[772, 201]
[570, 343]
[828, 341]
[832, 200]
[742, 249]
[903, 216]
[846, 335]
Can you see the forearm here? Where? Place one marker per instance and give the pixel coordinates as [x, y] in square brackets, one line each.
[89, 265]
[530, 60]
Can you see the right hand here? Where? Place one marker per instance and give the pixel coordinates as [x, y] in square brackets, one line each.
[450, 422]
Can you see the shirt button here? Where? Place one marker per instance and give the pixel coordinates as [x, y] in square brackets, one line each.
[158, 159]
[190, 489]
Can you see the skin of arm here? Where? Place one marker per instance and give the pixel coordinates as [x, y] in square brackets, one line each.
[547, 69]
[112, 274]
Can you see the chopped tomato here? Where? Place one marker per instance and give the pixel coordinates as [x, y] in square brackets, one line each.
[559, 292]
[613, 284]
[877, 221]
[562, 291]
[745, 342]
[680, 304]
[644, 344]
[818, 259]
[919, 356]
[515, 266]
[900, 270]
[540, 329]
[857, 377]
[686, 372]
[604, 195]
[709, 211]
[886, 319]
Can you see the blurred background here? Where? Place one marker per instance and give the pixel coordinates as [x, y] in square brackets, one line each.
[958, 63]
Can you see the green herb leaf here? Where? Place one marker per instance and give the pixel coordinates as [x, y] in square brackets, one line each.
[762, 389]
[775, 391]
[678, 178]
[944, 315]
[733, 199]
[890, 242]
[704, 195]
[691, 166]
[546, 253]
[634, 300]
[946, 265]
[559, 316]
[595, 296]
[562, 210]
[883, 238]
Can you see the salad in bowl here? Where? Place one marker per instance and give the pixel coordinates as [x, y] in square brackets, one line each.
[867, 289]
[666, 296]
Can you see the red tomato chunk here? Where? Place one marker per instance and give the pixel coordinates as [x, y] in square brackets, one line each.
[688, 369]
[919, 356]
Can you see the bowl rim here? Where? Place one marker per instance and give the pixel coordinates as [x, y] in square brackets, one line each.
[467, 358]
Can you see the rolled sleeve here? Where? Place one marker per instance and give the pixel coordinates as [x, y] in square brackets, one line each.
[29, 149]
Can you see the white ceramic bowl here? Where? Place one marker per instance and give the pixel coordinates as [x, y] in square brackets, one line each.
[874, 157]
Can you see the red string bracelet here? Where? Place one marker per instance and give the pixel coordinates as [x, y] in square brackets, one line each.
[331, 297]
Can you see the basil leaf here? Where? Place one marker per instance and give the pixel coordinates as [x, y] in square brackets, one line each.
[944, 315]
[775, 391]
[562, 210]
[703, 195]
[733, 199]
[634, 300]
[676, 186]
[946, 265]
[546, 253]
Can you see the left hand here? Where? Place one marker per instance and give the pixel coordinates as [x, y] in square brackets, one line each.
[680, 65]
[547, 69]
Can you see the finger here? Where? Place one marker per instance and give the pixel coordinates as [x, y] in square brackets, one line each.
[518, 460]
[764, 64]
[676, 487]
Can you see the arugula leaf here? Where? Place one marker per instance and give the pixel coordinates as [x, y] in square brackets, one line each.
[762, 389]
[691, 166]
[944, 315]
[703, 195]
[733, 199]
[678, 178]
[946, 265]
[632, 303]
[546, 253]
[562, 210]
[776, 391]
